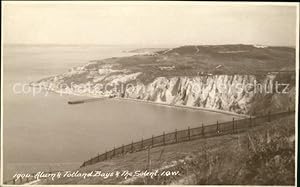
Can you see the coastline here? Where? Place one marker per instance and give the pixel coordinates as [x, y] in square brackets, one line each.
[92, 98]
[184, 107]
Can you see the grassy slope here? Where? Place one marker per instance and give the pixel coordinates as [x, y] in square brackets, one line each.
[263, 155]
[189, 60]
[194, 60]
[235, 59]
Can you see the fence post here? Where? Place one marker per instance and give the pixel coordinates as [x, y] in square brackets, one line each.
[217, 127]
[132, 146]
[232, 125]
[269, 116]
[152, 141]
[176, 135]
[149, 161]
[164, 140]
[114, 151]
[142, 144]
[189, 133]
[202, 129]
[14, 181]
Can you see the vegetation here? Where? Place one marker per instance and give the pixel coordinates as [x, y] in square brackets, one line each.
[194, 60]
[264, 155]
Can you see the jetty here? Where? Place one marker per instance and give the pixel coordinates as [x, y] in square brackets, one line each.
[89, 100]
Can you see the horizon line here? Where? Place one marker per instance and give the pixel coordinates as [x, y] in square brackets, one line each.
[136, 44]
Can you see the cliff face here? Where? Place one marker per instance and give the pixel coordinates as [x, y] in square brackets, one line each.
[232, 78]
[242, 94]
[213, 92]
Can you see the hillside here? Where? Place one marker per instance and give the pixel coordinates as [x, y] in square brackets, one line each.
[261, 156]
[194, 60]
[171, 75]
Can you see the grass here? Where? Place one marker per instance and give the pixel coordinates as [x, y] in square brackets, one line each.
[189, 61]
[260, 156]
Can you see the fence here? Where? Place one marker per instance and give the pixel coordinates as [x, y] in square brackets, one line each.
[230, 127]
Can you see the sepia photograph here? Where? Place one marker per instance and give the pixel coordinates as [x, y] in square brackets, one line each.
[149, 93]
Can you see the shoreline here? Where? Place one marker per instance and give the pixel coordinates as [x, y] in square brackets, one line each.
[183, 107]
[95, 98]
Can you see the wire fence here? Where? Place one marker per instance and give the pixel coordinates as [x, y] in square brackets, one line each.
[217, 129]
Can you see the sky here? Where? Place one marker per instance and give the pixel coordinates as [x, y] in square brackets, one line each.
[117, 23]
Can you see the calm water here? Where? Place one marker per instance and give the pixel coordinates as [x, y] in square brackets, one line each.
[45, 133]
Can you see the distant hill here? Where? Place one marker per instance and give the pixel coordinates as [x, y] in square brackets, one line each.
[146, 50]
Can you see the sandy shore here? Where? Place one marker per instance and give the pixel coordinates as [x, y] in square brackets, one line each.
[183, 107]
[94, 98]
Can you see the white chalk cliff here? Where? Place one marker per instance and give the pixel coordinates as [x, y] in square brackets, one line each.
[234, 93]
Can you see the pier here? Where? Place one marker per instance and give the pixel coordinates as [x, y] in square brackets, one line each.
[89, 100]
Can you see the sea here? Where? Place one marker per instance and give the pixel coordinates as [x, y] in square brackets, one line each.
[44, 133]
